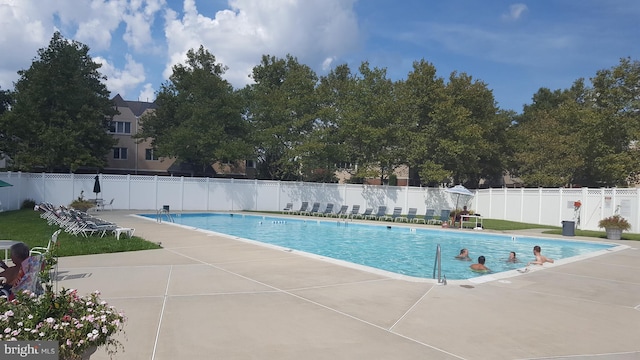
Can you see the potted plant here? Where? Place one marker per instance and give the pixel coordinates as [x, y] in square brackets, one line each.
[80, 324]
[614, 226]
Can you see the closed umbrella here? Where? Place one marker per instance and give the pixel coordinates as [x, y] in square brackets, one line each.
[4, 183]
[460, 191]
[96, 187]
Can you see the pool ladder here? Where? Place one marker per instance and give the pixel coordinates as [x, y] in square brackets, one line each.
[442, 279]
[164, 211]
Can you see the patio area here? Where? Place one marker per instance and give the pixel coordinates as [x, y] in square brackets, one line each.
[210, 297]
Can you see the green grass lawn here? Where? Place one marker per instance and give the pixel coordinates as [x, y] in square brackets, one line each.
[494, 224]
[28, 227]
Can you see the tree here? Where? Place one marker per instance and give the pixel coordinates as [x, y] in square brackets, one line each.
[5, 101]
[583, 135]
[282, 108]
[61, 111]
[199, 116]
[368, 128]
[457, 133]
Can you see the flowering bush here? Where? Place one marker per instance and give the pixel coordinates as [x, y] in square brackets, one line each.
[77, 323]
[614, 222]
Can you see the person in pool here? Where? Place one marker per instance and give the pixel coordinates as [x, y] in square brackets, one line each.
[540, 259]
[479, 267]
[512, 258]
[464, 255]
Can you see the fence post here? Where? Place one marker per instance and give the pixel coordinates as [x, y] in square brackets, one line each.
[506, 202]
[521, 204]
[637, 211]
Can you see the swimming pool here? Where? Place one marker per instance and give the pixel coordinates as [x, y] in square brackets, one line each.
[387, 246]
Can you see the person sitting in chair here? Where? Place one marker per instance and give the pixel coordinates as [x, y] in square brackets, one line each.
[458, 218]
[24, 274]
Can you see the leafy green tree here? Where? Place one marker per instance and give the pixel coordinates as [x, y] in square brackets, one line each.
[5, 101]
[199, 116]
[337, 99]
[369, 129]
[421, 97]
[582, 135]
[61, 112]
[477, 134]
[612, 133]
[282, 109]
[456, 132]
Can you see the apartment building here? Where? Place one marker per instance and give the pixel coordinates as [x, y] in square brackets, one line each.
[137, 158]
[128, 156]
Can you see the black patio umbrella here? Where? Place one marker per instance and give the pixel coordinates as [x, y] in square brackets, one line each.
[96, 186]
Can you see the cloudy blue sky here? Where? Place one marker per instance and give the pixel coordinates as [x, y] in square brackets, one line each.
[515, 47]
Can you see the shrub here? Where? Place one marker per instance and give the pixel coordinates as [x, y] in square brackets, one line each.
[77, 323]
[82, 205]
[614, 222]
[28, 204]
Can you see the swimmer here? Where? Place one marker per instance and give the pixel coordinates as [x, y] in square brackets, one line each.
[540, 259]
[512, 258]
[479, 267]
[464, 255]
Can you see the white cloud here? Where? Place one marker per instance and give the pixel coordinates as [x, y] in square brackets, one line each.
[26, 27]
[120, 81]
[147, 93]
[515, 11]
[326, 64]
[96, 21]
[139, 20]
[311, 30]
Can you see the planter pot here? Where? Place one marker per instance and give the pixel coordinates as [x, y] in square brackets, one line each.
[86, 355]
[613, 233]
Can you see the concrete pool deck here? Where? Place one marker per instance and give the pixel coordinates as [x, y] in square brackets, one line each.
[210, 297]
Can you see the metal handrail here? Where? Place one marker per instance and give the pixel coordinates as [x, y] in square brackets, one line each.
[438, 265]
[162, 211]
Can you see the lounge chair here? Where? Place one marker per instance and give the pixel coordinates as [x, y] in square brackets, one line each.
[303, 208]
[382, 212]
[341, 212]
[108, 205]
[428, 217]
[411, 215]
[327, 211]
[444, 217]
[397, 212]
[314, 209]
[354, 212]
[288, 208]
[367, 213]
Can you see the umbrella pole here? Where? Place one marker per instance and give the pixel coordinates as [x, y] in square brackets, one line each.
[455, 212]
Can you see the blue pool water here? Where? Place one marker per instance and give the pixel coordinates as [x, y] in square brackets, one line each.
[387, 246]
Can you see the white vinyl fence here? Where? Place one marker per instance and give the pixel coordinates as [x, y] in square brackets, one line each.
[150, 193]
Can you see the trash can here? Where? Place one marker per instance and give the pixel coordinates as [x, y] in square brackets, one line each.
[165, 208]
[568, 228]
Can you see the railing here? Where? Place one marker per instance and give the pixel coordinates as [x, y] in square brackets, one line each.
[164, 211]
[437, 265]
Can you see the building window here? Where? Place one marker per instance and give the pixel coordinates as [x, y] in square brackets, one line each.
[251, 164]
[120, 153]
[120, 127]
[148, 155]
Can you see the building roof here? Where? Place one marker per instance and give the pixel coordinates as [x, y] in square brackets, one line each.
[136, 107]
